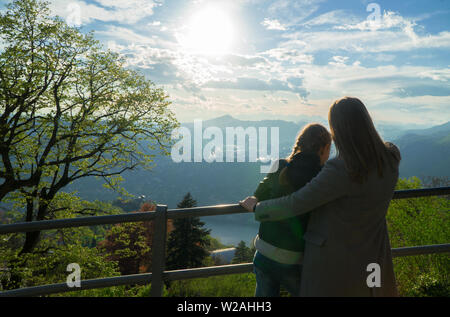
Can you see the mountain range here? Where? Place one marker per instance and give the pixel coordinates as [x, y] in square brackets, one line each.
[425, 152]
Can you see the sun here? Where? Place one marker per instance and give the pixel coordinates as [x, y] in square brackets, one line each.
[209, 31]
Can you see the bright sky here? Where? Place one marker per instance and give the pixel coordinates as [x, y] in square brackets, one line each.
[268, 59]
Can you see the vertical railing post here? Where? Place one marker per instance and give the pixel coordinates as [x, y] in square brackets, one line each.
[159, 250]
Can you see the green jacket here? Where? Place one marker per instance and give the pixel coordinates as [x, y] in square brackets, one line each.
[288, 233]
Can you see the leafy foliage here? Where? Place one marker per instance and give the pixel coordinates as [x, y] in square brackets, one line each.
[243, 253]
[216, 244]
[415, 222]
[130, 244]
[56, 249]
[69, 110]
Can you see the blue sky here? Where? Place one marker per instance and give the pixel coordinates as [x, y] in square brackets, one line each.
[267, 59]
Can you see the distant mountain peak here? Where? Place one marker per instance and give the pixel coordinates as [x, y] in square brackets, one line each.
[439, 129]
[225, 117]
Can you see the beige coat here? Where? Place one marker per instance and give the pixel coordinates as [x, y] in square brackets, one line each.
[346, 231]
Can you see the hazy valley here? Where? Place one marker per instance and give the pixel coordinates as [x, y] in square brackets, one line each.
[425, 152]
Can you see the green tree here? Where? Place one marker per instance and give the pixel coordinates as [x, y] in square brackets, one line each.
[69, 110]
[48, 261]
[216, 244]
[130, 244]
[243, 254]
[188, 242]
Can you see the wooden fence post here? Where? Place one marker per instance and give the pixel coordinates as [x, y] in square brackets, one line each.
[159, 250]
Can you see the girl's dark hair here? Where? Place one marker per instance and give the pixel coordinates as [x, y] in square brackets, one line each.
[357, 141]
[311, 139]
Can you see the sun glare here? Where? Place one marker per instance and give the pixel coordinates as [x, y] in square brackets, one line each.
[209, 31]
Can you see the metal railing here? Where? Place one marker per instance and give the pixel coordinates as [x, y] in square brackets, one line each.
[160, 217]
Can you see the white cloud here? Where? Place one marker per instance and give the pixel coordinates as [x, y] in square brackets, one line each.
[332, 18]
[379, 86]
[238, 61]
[123, 11]
[393, 33]
[388, 20]
[365, 41]
[294, 12]
[273, 25]
[290, 55]
[126, 35]
[438, 75]
[339, 60]
[294, 85]
[384, 57]
[285, 90]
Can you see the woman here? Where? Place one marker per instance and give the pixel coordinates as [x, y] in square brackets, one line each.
[347, 233]
[279, 244]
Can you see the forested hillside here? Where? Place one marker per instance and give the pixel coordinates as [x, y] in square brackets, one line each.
[425, 153]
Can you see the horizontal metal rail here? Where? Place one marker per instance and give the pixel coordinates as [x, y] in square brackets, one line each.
[422, 192]
[174, 214]
[137, 279]
[158, 270]
[203, 272]
[184, 274]
[420, 250]
[76, 222]
[85, 285]
[206, 211]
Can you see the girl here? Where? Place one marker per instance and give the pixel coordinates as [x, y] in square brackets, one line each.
[280, 244]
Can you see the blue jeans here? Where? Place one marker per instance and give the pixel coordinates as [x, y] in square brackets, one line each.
[268, 282]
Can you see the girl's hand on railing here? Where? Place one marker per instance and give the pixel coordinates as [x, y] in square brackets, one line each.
[249, 203]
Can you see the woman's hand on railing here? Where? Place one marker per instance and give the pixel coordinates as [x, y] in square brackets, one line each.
[249, 203]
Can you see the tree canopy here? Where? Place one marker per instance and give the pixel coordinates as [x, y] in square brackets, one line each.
[68, 110]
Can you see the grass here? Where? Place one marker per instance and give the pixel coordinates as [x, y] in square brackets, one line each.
[233, 285]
